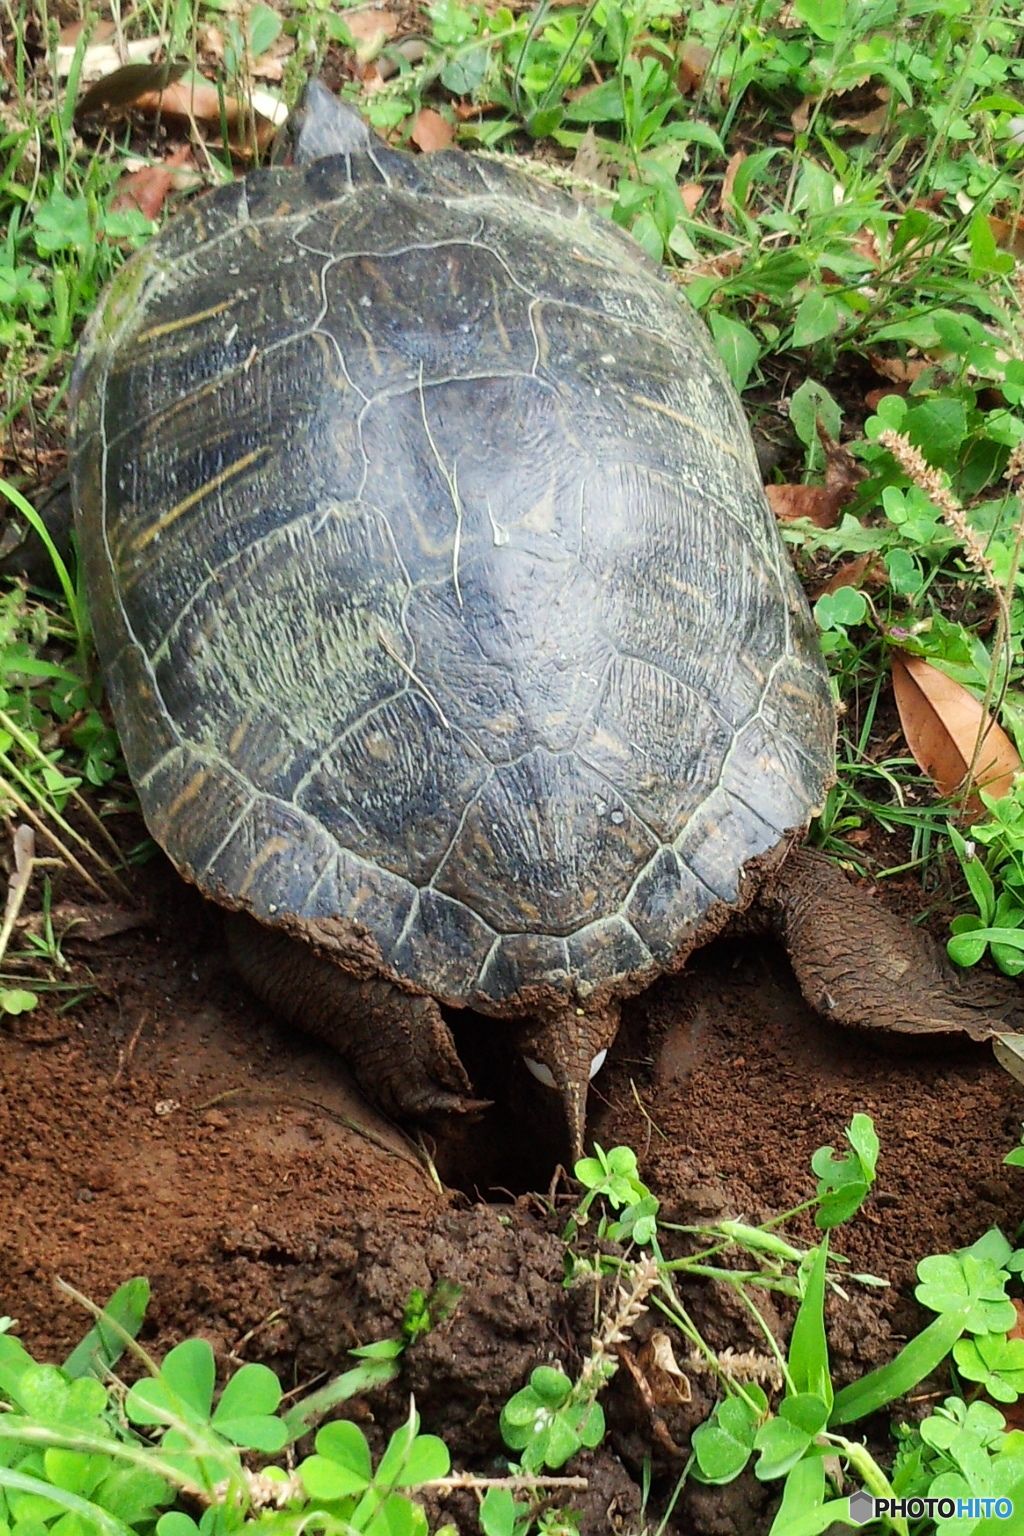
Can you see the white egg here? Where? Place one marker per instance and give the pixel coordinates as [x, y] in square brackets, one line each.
[542, 1073]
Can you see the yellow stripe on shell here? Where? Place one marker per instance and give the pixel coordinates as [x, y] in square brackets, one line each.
[170, 326]
[173, 513]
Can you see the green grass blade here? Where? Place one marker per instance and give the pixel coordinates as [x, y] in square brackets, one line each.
[32, 517]
[808, 1346]
[914, 1362]
[103, 1346]
[371, 1373]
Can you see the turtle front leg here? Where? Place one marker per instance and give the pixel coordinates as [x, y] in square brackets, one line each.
[398, 1045]
[861, 965]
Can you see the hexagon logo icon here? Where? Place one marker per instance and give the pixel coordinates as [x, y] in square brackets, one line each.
[862, 1507]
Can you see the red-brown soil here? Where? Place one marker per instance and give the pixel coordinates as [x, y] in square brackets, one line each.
[268, 1224]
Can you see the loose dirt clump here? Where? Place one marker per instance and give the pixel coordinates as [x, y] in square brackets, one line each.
[170, 1128]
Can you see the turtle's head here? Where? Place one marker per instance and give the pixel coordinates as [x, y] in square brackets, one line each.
[564, 1050]
[321, 125]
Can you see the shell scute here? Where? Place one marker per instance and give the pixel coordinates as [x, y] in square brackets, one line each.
[667, 905]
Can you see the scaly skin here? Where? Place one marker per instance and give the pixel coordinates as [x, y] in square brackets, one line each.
[860, 965]
[397, 1044]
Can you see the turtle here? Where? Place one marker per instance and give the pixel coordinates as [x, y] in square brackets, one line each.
[451, 642]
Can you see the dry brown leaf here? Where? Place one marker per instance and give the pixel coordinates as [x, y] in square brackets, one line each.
[122, 88]
[897, 369]
[466, 111]
[657, 1425]
[1017, 1331]
[932, 201]
[814, 502]
[370, 30]
[269, 66]
[199, 101]
[363, 26]
[431, 131]
[800, 117]
[719, 266]
[822, 504]
[1013, 1413]
[868, 123]
[372, 80]
[875, 396]
[93, 924]
[211, 44]
[1008, 236]
[862, 570]
[691, 195]
[866, 245]
[102, 32]
[729, 179]
[693, 64]
[101, 57]
[941, 720]
[147, 188]
[668, 1384]
[590, 163]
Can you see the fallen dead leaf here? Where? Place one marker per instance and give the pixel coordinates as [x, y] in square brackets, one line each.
[822, 504]
[270, 65]
[1013, 1413]
[101, 57]
[729, 179]
[691, 195]
[147, 188]
[941, 720]
[932, 201]
[800, 117]
[365, 25]
[718, 266]
[590, 163]
[122, 88]
[431, 131]
[466, 111]
[669, 1385]
[211, 44]
[790, 502]
[102, 32]
[693, 64]
[91, 924]
[196, 101]
[898, 370]
[875, 396]
[862, 570]
[867, 123]
[372, 80]
[1009, 236]
[658, 1427]
[866, 245]
[369, 31]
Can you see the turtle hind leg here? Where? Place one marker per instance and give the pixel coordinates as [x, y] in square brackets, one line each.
[397, 1044]
[859, 964]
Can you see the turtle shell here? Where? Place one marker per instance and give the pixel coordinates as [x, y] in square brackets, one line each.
[435, 588]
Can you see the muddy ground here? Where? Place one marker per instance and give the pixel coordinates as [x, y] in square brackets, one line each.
[272, 1225]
